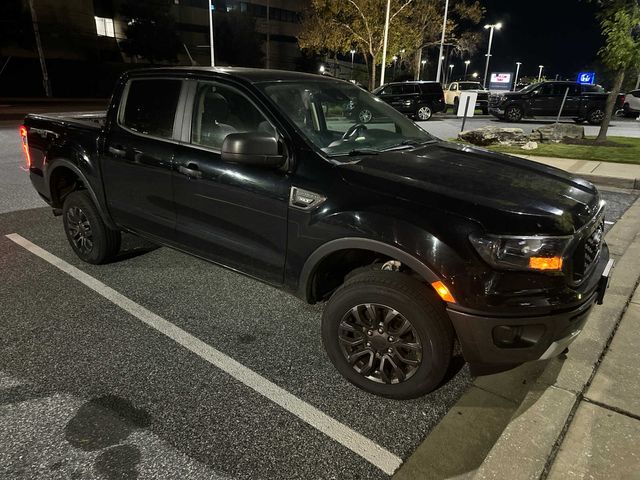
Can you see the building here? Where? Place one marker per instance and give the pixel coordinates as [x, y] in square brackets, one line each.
[83, 36]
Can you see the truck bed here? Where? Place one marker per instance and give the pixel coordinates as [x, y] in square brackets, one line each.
[94, 120]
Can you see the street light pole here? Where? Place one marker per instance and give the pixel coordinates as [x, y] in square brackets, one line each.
[213, 55]
[450, 73]
[424, 62]
[352, 52]
[268, 35]
[466, 67]
[540, 73]
[444, 30]
[515, 81]
[43, 65]
[384, 44]
[496, 26]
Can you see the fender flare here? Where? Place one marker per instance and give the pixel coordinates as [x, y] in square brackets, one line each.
[62, 162]
[311, 264]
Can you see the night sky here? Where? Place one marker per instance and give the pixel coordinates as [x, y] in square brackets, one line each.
[562, 35]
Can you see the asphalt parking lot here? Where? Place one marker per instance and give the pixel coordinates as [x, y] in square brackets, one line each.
[89, 390]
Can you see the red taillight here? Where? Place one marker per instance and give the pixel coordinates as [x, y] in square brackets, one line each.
[25, 145]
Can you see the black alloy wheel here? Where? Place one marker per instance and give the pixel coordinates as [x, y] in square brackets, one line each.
[513, 113]
[379, 343]
[388, 333]
[90, 238]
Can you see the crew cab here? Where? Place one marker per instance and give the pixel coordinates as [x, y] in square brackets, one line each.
[453, 91]
[411, 242]
[583, 102]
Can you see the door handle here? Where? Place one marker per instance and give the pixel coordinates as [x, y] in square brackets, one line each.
[191, 170]
[118, 151]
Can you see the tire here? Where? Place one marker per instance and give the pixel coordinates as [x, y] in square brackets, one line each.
[578, 120]
[429, 334]
[485, 111]
[595, 116]
[424, 113]
[513, 113]
[86, 232]
[456, 103]
[365, 116]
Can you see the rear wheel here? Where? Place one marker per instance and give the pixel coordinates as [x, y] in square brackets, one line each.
[365, 116]
[424, 113]
[513, 113]
[388, 334]
[86, 232]
[595, 116]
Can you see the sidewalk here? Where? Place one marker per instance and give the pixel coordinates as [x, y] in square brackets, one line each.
[572, 417]
[621, 175]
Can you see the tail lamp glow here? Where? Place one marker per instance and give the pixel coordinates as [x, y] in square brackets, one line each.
[25, 145]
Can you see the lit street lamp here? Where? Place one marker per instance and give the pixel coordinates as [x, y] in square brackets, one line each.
[540, 73]
[352, 52]
[450, 73]
[474, 74]
[491, 27]
[423, 62]
[515, 81]
[322, 69]
[395, 62]
[466, 67]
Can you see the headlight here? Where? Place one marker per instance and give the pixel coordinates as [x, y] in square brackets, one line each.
[521, 253]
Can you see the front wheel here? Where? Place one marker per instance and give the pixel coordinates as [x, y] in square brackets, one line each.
[365, 116]
[595, 116]
[424, 113]
[86, 232]
[513, 113]
[388, 334]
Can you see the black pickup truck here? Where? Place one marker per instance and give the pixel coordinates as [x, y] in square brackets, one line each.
[413, 243]
[583, 102]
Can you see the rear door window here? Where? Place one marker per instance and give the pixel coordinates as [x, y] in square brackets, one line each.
[150, 106]
[409, 88]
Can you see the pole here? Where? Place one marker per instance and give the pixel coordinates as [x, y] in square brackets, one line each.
[384, 45]
[515, 81]
[638, 82]
[353, 52]
[36, 32]
[466, 112]
[213, 55]
[564, 99]
[540, 73]
[268, 36]
[466, 67]
[486, 66]
[444, 29]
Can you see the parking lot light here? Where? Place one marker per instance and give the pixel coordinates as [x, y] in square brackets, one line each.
[515, 81]
[466, 67]
[540, 73]
[491, 28]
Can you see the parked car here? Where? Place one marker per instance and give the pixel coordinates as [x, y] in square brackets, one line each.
[631, 107]
[419, 100]
[584, 102]
[452, 95]
[410, 241]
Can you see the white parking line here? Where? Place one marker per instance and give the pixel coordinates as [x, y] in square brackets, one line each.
[366, 448]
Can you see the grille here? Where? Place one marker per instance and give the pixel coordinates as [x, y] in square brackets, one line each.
[494, 100]
[587, 253]
[483, 96]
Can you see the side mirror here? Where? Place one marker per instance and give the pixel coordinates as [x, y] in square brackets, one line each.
[252, 148]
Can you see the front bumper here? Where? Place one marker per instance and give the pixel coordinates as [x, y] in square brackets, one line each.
[498, 112]
[493, 344]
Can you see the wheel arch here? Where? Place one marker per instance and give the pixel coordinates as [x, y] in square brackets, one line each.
[307, 284]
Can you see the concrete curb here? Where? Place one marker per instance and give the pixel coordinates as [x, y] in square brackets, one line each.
[510, 425]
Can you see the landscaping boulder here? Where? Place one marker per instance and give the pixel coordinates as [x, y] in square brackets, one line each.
[556, 132]
[494, 135]
[529, 146]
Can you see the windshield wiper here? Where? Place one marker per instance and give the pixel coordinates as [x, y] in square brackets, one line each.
[407, 144]
[357, 151]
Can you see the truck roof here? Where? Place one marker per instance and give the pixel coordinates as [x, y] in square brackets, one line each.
[252, 75]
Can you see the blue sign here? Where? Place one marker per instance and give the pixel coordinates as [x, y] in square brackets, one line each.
[587, 78]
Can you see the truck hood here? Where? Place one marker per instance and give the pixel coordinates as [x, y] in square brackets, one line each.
[505, 194]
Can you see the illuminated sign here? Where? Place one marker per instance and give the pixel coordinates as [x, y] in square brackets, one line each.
[588, 78]
[500, 81]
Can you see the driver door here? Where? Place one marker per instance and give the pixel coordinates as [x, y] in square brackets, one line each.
[232, 214]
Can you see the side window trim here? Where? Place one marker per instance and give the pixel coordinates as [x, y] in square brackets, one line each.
[190, 98]
[175, 135]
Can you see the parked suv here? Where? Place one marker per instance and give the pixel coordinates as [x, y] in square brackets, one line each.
[419, 100]
[452, 95]
[583, 102]
[631, 105]
[411, 242]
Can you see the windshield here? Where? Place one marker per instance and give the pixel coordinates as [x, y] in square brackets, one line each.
[530, 87]
[470, 86]
[342, 119]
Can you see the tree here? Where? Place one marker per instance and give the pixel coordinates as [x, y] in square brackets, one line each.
[150, 30]
[620, 21]
[340, 25]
